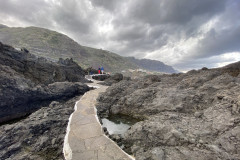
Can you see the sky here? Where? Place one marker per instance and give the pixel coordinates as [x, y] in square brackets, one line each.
[186, 34]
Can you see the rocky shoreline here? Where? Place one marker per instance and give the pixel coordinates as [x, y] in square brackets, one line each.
[184, 116]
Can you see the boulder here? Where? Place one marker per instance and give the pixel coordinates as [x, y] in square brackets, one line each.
[101, 77]
[117, 77]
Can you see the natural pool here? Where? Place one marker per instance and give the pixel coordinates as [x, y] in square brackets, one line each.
[118, 124]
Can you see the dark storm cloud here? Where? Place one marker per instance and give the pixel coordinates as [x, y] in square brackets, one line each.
[216, 43]
[223, 37]
[174, 11]
[172, 19]
[183, 33]
[69, 16]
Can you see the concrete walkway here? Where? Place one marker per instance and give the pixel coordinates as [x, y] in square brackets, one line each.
[85, 139]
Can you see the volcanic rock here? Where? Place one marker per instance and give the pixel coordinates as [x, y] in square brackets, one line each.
[40, 135]
[25, 82]
[40, 70]
[101, 77]
[184, 116]
[36, 99]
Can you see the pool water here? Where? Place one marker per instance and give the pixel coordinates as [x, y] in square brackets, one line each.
[118, 124]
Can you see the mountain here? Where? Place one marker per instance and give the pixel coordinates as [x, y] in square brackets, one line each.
[3, 26]
[53, 45]
[152, 65]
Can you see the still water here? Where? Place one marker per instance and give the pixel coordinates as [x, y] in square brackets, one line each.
[118, 124]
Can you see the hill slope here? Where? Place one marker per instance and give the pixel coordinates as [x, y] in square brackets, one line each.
[53, 45]
[152, 65]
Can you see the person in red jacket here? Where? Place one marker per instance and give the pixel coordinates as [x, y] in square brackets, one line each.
[99, 70]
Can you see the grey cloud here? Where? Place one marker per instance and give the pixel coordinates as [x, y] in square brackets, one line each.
[215, 43]
[223, 37]
[69, 16]
[107, 4]
[139, 27]
[174, 11]
[66, 14]
[209, 62]
[22, 8]
[25, 10]
[139, 38]
[166, 20]
[129, 32]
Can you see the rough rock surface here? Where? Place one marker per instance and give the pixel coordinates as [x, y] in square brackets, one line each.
[27, 81]
[184, 116]
[40, 70]
[35, 103]
[101, 77]
[117, 77]
[39, 136]
[18, 97]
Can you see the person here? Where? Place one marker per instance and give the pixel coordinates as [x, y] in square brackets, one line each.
[102, 69]
[99, 70]
[91, 70]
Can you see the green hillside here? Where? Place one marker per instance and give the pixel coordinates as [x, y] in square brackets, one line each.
[54, 45]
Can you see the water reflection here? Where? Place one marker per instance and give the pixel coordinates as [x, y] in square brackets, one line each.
[118, 124]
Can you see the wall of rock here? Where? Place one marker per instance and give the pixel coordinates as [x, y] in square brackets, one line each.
[36, 99]
[27, 81]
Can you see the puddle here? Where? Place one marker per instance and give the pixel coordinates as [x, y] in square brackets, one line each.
[118, 124]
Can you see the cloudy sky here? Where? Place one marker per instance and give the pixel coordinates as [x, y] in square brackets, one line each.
[183, 33]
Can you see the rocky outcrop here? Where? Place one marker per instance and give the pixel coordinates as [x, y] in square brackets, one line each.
[40, 70]
[27, 82]
[40, 135]
[36, 100]
[20, 96]
[184, 116]
[115, 78]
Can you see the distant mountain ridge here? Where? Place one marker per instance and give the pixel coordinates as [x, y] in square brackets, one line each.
[3, 26]
[152, 65]
[53, 45]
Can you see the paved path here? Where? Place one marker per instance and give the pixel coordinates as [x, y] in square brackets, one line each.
[85, 139]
